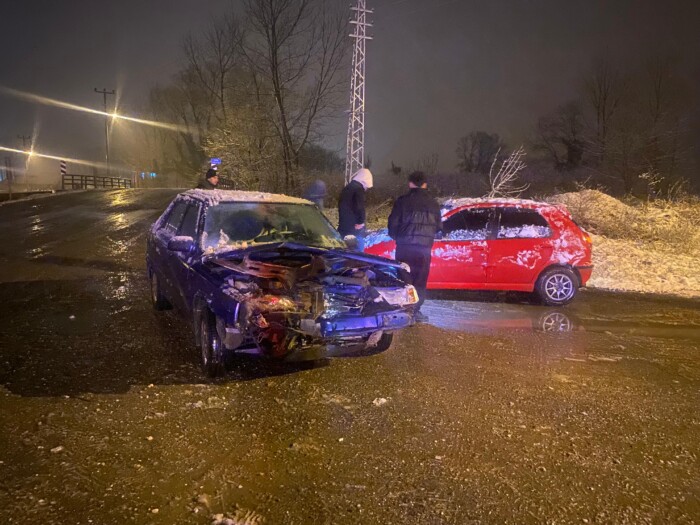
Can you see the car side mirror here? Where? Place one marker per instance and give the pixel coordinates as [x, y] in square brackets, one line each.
[181, 244]
[351, 242]
[438, 234]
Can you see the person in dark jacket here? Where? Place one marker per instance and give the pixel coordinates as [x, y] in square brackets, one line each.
[351, 207]
[413, 223]
[316, 192]
[211, 179]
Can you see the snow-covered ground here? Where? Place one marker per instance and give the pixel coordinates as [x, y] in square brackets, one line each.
[648, 248]
[631, 266]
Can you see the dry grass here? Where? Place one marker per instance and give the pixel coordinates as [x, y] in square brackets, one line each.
[377, 216]
[665, 225]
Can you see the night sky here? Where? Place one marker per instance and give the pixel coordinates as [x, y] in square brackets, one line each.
[436, 69]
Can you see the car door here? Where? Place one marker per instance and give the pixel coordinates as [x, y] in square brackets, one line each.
[181, 262]
[521, 247]
[162, 262]
[459, 255]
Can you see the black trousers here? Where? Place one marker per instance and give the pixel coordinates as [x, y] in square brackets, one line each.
[418, 259]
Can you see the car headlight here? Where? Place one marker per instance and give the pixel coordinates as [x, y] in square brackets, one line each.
[399, 296]
[412, 294]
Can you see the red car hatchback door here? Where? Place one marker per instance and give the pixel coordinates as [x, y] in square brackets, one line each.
[459, 256]
[521, 249]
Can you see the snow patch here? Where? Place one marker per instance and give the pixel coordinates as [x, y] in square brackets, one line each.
[528, 231]
[466, 235]
[526, 258]
[214, 197]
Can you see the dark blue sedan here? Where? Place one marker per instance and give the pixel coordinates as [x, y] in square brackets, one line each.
[269, 274]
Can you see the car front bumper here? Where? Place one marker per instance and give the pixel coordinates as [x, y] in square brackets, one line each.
[357, 327]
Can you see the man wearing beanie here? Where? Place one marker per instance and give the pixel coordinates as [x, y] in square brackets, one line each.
[211, 180]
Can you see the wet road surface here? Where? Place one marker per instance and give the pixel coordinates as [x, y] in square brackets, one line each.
[498, 411]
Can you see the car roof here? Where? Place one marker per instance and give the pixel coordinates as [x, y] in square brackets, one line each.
[214, 197]
[451, 204]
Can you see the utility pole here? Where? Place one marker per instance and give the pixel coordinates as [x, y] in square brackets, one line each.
[104, 92]
[9, 174]
[355, 150]
[24, 139]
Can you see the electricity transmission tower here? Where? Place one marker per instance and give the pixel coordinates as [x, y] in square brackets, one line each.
[355, 150]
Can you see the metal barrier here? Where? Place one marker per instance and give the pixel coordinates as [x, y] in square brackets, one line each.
[85, 182]
[225, 184]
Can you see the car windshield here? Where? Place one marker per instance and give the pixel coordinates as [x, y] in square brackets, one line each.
[238, 225]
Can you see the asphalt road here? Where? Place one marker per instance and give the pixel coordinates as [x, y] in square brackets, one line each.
[498, 411]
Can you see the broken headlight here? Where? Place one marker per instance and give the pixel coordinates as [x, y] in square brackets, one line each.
[399, 296]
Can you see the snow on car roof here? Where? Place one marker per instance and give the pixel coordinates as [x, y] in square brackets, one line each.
[214, 197]
[466, 201]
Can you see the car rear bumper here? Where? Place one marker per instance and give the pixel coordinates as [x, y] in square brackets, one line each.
[585, 273]
[357, 327]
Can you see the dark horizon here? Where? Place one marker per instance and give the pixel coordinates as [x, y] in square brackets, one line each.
[435, 72]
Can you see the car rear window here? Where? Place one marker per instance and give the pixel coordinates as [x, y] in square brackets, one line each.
[522, 224]
[467, 225]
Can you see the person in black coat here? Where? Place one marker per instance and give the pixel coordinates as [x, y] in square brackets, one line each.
[211, 179]
[413, 223]
[351, 206]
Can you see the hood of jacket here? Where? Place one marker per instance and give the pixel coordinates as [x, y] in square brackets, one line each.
[364, 177]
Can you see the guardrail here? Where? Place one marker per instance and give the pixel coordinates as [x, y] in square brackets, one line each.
[225, 184]
[86, 182]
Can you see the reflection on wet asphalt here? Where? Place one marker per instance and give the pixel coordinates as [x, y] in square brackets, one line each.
[498, 411]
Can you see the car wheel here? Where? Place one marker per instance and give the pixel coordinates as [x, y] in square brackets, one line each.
[383, 344]
[557, 286]
[211, 347]
[157, 298]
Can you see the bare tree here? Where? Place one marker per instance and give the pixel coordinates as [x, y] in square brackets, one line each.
[295, 50]
[215, 62]
[504, 183]
[428, 164]
[477, 150]
[604, 89]
[560, 135]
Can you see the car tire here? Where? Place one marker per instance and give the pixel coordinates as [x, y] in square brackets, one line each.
[557, 286]
[158, 300]
[383, 344]
[211, 346]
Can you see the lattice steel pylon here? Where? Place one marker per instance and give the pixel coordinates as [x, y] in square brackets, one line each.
[355, 150]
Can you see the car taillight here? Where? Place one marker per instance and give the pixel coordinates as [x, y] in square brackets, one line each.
[587, 236]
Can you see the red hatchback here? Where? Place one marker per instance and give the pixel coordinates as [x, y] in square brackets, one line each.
[506, 244]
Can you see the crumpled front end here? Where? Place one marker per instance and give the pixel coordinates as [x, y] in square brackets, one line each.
[288, 300]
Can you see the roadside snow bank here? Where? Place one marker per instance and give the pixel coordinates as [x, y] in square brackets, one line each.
[647, 247]
[659, 222]
[631, 266]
